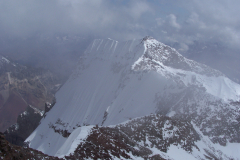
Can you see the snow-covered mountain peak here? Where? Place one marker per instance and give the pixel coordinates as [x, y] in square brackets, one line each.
[118, 81]
[158, 55]
[167, 61]
[151, 41]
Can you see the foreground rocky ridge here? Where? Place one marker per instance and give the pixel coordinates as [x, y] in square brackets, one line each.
[149, 137]
[9, 151]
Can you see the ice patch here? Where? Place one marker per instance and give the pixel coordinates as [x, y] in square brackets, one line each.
[171, 114]
[178, 153]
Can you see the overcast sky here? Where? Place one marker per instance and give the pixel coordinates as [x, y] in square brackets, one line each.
[180, 21]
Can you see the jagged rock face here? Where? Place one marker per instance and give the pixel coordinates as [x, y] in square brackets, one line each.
[22, 86]
[27, 122]
[116, 81]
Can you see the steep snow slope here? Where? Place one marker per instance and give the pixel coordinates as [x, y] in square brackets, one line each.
[117, 81]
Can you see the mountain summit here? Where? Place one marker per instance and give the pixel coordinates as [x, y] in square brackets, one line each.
[161, 53]
[118, 81]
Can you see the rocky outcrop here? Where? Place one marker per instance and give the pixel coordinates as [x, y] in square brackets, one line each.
[27, 122]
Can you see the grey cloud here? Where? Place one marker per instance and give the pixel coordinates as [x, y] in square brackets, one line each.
[98, 18]
[204, 21]
[216, 20]
[168, 21]
[172, 19]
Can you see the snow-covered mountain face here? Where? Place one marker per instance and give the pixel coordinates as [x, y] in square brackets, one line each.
[118, 81]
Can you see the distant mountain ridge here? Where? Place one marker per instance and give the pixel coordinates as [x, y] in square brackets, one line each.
[117, 81]
[22, 86]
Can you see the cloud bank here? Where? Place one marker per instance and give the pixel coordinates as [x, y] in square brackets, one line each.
[168, 21]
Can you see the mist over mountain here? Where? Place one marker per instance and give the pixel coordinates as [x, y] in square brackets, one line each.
[120, 94]
[58, 53]
[216, 55]
[208, 31]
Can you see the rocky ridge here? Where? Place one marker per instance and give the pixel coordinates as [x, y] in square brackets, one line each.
[149, 137]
